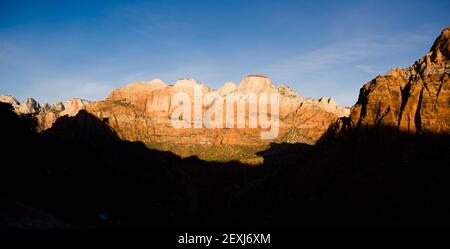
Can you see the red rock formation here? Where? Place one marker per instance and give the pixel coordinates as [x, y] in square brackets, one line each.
[415, 99]
[47, 115]
[141, 112]
[71, 107]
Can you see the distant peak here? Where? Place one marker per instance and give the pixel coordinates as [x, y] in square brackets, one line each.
[157, 82]
[9, 99]
[186, 82]
[257, 75]
[255, 83]
[441, 47]
[228, 87]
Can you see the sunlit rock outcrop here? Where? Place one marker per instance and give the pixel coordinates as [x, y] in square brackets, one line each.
[415, 99]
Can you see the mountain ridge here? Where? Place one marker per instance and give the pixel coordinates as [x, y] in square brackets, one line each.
[415, 99]
[140, 111]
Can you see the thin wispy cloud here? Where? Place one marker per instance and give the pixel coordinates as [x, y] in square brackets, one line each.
[323, 71]
[366, 68]
[322, 59]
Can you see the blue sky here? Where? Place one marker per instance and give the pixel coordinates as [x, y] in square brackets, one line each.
[56, 50]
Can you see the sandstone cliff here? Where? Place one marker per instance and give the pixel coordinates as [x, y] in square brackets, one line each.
[141, 111]
[415, 99]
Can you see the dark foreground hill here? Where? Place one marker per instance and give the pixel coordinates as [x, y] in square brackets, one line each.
[79, 174]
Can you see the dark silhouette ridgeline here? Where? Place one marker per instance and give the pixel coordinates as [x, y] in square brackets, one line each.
[80, 173]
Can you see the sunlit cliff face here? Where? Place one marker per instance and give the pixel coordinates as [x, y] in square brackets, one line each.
[189, 113]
